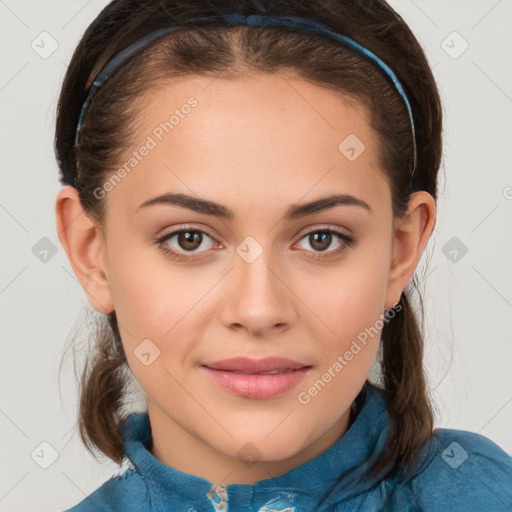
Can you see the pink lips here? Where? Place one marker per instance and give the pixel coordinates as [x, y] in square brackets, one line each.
[249, 378]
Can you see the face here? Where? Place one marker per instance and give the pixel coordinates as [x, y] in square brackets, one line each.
[243, 267]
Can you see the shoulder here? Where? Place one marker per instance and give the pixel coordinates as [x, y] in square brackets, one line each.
[124, 492]
[465, 469]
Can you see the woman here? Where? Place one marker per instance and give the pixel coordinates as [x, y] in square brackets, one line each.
[249, 192]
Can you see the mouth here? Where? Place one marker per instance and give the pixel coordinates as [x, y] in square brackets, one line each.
[266, 366]
[251, 378]
[272, 372]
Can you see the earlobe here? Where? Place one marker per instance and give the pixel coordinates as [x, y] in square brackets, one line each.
[410, 236]
[83, 241]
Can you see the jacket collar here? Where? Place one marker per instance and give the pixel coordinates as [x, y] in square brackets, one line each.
[327, 477]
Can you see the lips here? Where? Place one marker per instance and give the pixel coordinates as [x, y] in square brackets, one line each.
[245, 365]
[256, 378]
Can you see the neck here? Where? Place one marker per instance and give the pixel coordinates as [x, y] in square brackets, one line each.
[185, 451]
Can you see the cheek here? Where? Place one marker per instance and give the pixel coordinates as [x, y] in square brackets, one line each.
[348, 327]
[155, 315]
[157, 302]
[147, 294]
[138, 303]
[346, 298]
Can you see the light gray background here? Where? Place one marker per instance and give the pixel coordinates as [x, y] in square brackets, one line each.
[468, 301]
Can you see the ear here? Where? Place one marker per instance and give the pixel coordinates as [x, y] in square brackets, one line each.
[82, 239]
[410, 236]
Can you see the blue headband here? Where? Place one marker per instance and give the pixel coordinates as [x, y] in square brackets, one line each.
[293, 22]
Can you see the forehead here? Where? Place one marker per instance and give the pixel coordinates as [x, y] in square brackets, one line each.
[268, 137]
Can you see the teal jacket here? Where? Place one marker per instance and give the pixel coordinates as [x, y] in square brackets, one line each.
[458, 471]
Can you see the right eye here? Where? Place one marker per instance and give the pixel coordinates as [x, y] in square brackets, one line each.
[186, 241]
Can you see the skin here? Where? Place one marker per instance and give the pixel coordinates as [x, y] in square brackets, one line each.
[255, 145]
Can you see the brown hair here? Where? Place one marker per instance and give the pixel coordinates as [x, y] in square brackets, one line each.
[110, 128]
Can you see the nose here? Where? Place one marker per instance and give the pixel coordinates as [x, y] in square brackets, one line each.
[258, 298]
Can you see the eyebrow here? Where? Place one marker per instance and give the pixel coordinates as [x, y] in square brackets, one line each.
[295, 211]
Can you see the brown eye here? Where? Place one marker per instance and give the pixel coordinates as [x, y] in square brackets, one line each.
[321, 239]
[189, 240]
[183, 244]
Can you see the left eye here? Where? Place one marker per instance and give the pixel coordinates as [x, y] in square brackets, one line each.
[321, 239]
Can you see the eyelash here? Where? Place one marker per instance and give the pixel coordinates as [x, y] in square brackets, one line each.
[347, 243]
